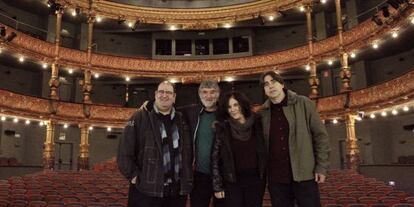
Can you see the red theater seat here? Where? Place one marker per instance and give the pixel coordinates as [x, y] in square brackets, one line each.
[368, 200]
[356, 205]
[400, 194]
[37, 204]
[346, 200]
[4, 203]
[333, 205]
[403, 205]
[390, 200]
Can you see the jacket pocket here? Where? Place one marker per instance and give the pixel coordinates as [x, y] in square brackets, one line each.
[152, 170]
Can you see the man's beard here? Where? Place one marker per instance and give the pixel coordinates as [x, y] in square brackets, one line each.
[208, 104]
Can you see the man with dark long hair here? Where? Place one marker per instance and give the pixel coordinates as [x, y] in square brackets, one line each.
[297, 145]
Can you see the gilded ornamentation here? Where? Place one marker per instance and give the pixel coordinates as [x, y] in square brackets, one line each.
[53, 106]
[313, 78]
[200, 26]
[393, 92]
[86, 110]
[189, 18]
[358, 37]
[352, 149]
[54, 82]
[345, 74]
[49, 146]
[83, 159]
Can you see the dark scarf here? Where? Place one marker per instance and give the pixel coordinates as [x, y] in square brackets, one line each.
[170, 141]
[241, 131]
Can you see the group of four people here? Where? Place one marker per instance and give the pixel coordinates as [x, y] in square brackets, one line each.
[223, 151]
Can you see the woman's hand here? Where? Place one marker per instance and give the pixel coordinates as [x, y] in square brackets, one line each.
[134, 180]
[219, 195]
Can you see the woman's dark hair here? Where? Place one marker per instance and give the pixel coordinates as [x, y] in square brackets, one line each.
[244, 103]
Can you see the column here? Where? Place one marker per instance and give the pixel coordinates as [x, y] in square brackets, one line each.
[313, 78]
[126, 95]
[54, 79]
[83, 159]
[345, 72]
[87, 85]
[1, 137]
[352, 148]
[49, 146]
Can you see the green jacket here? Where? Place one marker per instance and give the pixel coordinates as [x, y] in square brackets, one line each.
[308, 140]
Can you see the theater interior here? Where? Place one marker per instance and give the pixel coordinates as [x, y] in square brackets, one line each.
[73, 71]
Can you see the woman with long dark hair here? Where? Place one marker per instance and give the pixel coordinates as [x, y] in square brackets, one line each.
[238, 157]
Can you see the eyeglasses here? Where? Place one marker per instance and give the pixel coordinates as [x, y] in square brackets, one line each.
[165, 92]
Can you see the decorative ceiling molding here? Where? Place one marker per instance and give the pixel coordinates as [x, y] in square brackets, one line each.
[394, 92]
[188, 17]
[357, 37]
[391, 93]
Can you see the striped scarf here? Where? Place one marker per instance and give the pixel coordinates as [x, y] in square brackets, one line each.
[171, 173]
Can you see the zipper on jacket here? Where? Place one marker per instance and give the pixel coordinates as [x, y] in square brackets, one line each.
[195, 136]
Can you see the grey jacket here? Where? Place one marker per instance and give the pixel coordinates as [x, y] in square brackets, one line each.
[308, 140]
[140, 154]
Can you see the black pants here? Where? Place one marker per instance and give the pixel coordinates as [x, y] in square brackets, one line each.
[305, 193]
[138, 199]
[203, 191]
[247, 192]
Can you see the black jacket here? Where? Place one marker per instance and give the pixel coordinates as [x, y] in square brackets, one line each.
[222, 160]
[191, 114]
[140, 153]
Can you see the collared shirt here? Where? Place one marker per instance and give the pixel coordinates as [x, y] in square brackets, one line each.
[280, 170]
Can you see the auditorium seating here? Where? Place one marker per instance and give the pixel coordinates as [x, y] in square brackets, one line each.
[349, 189]
[65, 188]
[105, 186]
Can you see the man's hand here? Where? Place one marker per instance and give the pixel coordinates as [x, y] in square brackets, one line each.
[134, 180]
[320, 178]
[144, 106]
[219, 195]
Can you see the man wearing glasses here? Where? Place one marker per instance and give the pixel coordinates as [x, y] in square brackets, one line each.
[155, 154]
[200, 118]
